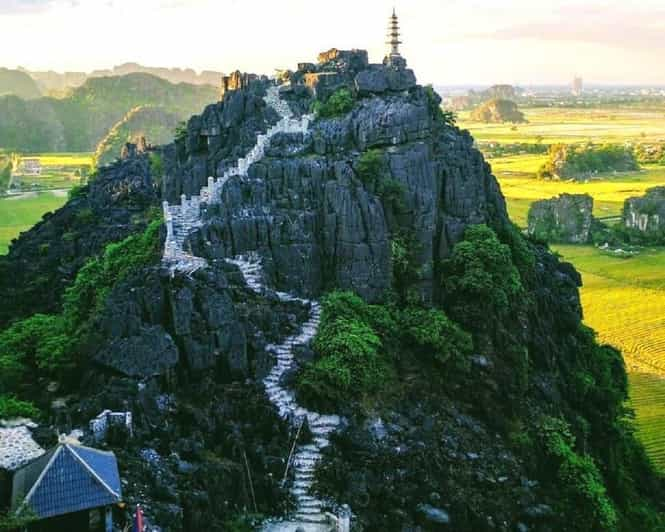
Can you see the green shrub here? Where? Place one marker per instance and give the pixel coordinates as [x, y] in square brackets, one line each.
[78, 191]
[578, 478]
[351, 358]
[371, 165]
[99, 275]
[11, 407]
[480, 278]
[434, 103]
[338, 103]
[40, 343]
[434, 335]
[349, 362]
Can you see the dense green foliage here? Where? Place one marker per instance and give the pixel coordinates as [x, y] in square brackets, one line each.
[337, 104]
[101, 274]
[576, 161]
[349, 346]
[434, 335]
[80, 121]
[11, 407]
[480, 276]
[359, 347]
[40, 345]
[498, 110]
[48, 346]
[579, 477]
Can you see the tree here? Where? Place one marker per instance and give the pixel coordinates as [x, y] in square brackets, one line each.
[480, 278]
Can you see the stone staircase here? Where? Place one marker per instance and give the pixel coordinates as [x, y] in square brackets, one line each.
[185, 217]
[309, 515]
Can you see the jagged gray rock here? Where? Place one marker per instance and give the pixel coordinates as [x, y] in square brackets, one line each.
[646, 213]
[567, 218]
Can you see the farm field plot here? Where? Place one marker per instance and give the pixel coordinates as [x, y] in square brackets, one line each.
[516, 176]
[59, 170]
[18, 214]
[572, 125]
[624, 301]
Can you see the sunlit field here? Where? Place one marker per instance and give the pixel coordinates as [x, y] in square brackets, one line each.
[521, 188]
[568, 125]
[18, 214]
[624, 301]
[59, 170]
[623, 298]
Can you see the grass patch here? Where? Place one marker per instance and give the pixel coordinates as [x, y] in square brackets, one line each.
[20, 214]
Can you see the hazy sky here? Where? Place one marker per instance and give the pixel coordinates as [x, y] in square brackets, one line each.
[445, 41]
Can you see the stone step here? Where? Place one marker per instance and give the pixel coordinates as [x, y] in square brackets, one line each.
[312, 518]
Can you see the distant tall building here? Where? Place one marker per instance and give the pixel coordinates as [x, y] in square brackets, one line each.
[578, 86]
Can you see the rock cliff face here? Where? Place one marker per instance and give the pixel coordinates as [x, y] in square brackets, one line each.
[305, 207]
[646, 213]
[567, 218]
[186, 352]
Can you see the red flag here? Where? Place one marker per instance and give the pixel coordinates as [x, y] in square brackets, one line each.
[138, 519]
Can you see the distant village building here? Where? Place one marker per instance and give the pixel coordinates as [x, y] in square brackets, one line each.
[578, 86]
[29, 167]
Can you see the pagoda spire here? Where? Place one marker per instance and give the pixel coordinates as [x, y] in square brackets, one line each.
[393, 35]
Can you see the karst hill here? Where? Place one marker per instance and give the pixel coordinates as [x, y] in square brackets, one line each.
[318, 282]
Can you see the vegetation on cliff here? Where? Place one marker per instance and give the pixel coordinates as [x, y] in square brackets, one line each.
[48, 346]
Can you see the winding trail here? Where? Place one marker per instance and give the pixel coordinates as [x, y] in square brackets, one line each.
[186, 217]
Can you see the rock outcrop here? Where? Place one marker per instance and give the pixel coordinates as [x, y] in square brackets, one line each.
[646, 213]
[567, 218]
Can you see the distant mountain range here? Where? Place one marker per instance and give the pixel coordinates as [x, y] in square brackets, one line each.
[18, 83]
[29, 84]
[79, 121]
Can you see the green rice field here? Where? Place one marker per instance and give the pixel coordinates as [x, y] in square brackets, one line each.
[624, 301]
[20, 213]
[623, 298]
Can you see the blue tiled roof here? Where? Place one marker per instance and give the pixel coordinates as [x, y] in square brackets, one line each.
[75, 478]
[102, 463]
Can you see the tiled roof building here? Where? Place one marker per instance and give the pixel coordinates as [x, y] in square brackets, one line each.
[68, 479]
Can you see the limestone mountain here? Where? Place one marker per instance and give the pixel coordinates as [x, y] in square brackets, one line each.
[335, 298]
[18, 84]
[154, 123]
[82, 119]
[498, 110]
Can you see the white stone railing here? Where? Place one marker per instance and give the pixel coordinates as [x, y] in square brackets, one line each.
[184, 218]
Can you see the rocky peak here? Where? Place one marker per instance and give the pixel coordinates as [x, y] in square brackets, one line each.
[646, 213]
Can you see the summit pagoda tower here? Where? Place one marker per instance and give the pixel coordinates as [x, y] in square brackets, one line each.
[394, 58]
